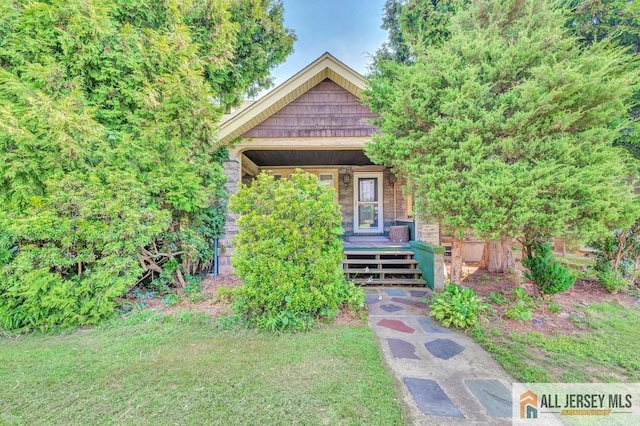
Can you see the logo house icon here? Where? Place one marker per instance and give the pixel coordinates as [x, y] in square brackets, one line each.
[528, 405]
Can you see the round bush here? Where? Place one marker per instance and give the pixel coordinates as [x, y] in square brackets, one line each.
[546, 272]
[288, 252]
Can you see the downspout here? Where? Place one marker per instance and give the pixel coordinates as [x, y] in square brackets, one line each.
[215, 257]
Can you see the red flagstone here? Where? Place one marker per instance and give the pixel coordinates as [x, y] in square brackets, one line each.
[395, 325]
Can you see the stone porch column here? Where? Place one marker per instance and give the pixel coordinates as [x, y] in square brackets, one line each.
[225, 247]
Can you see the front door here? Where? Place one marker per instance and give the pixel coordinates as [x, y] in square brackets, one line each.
[368, 203]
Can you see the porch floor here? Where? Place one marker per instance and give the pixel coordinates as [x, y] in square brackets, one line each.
[356, 242]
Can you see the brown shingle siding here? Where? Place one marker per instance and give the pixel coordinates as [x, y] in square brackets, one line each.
[326, 110]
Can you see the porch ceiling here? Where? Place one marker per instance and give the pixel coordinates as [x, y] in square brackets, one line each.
[286, 158]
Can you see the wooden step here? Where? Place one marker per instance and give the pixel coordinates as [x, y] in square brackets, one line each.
[379, 262]
[378, 253]
[411, 271]
[390, 281]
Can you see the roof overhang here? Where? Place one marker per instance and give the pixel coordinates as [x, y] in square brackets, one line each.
[300, 158]
[326, 66]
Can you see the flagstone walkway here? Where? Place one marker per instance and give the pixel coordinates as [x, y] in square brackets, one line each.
[445, 378]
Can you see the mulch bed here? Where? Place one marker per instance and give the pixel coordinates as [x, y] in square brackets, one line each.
[567, 320]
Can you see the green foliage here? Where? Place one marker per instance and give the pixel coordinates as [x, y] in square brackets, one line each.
[109, 174]
[634, 292]
[612, 280]
[498, 298]
[546, 272]
[597, 20]
[469, 120]
[193, 288]
[288, 252]
[414, 24]
[171, 299]
[456, 306]
[616, 258]
[554, 308]
[519, 311]
[353, 297]
[522, 306]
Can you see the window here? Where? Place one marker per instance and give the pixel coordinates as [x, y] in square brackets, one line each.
[326, 179]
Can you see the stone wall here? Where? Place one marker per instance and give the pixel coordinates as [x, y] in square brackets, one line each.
[225, 250]
[428, 232]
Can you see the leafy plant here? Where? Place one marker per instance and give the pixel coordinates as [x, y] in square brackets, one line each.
[522, 307]
[546, 272]
[634, 292]
[521, 294]
[288, 252]
[519, 311]
[553, 307]
[498, 298]
[456, 306]
[353, 297]
[171, 299]
[193, 288]
[612, 280]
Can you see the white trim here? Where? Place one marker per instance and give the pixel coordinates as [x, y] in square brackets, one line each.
[356, 188]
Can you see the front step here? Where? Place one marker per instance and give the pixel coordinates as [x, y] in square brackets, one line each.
[378, 253]
[383, 271]
[390, 281]
[382, 267]
[377, 262]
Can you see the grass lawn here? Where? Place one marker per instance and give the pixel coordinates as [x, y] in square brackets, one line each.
[181, 369]
[606, 349]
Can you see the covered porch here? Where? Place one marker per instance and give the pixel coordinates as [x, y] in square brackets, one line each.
[371, 198]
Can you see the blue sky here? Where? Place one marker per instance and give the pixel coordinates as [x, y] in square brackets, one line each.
[348, 29]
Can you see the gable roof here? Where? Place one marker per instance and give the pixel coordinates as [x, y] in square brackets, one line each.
[326, 66]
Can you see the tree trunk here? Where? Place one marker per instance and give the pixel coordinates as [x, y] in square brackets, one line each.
[622, 243]
[497, 256]
[456, 260]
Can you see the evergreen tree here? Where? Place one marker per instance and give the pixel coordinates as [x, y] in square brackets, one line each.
[507, 126]
[108, 174]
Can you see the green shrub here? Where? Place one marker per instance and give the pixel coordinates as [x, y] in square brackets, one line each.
[353, 297]
[546, 272]
[171, 299]
[193, 288]
[522, 307]
[456, 306]
[110, 174]
[614, 281]
[615, 259]
[288, 252]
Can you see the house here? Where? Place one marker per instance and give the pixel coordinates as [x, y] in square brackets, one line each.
[315, 121]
